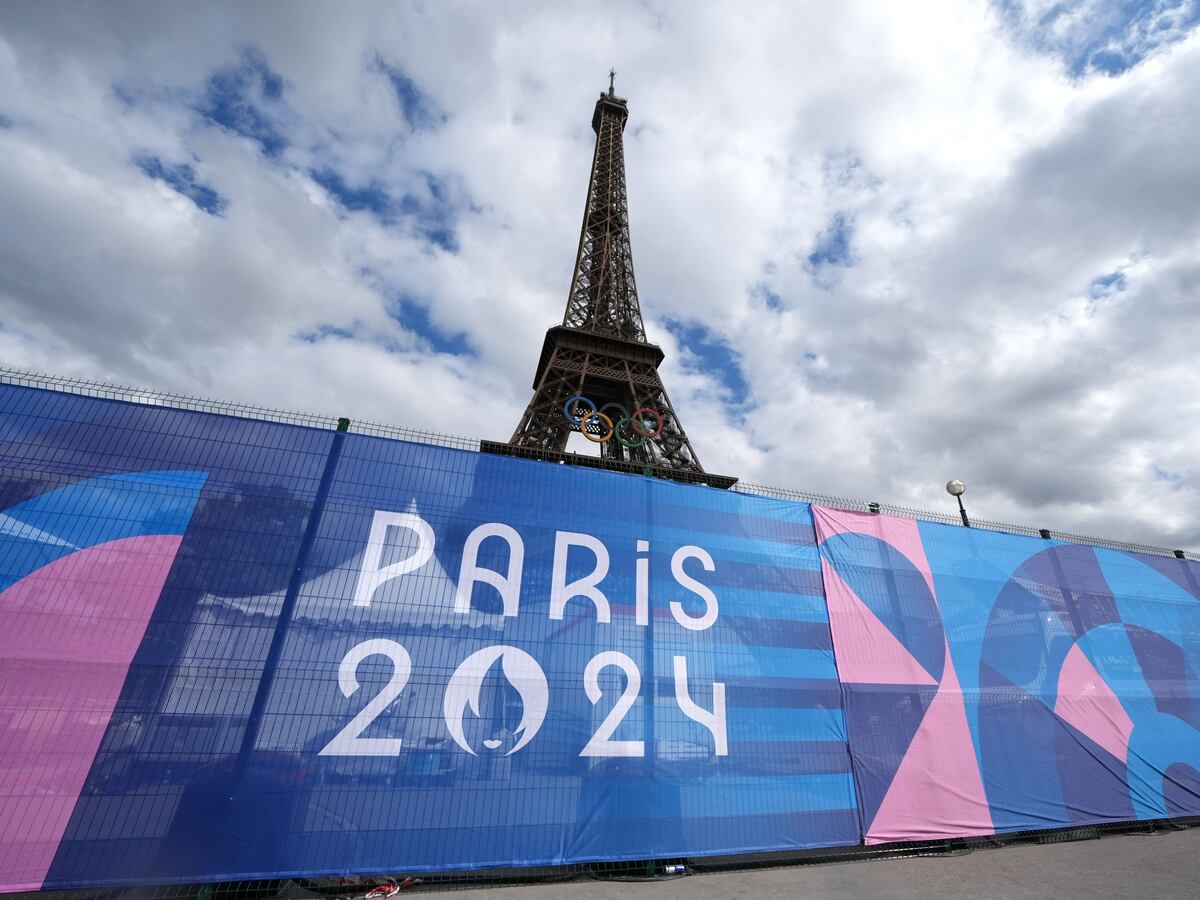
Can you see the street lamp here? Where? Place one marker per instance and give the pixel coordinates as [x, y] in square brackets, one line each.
[956, 489]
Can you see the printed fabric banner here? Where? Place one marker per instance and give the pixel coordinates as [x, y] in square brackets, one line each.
[237, 649]
[997, 683]
[124, 529]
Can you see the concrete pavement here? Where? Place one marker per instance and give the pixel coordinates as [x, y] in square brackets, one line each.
[1141, 866]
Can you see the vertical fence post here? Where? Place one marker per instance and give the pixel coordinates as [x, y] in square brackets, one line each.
[288, 608]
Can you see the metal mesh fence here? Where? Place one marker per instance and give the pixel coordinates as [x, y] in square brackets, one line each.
[909, 512]
[385, 884]
[89, 388]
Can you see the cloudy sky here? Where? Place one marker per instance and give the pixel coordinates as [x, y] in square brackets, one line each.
[883, 244]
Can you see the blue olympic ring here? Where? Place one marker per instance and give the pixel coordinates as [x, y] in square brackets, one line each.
[570, 417]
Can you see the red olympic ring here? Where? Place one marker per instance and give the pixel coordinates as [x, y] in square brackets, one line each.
[640, 413]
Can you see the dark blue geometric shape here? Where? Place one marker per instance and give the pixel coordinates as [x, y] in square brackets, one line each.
[1070, 580]
[1183, 572]
[1164, 666]
[881, 720]
[895, 591]
[1181, 790]
[1018, 743]
[1025, 640]
[1093, 780]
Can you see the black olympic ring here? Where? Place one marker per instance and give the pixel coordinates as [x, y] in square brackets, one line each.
[598, 418]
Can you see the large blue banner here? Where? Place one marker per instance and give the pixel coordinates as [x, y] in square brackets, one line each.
[997, 683]
[234, 649]
[373, 655]
[126, 533]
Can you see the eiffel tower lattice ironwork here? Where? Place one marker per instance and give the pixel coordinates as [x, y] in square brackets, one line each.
[600, 351]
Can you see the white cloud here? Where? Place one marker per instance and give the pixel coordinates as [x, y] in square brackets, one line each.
[986, 177]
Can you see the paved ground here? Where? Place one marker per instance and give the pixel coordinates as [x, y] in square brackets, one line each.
[1144, 867]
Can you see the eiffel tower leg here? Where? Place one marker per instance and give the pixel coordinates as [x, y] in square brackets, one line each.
[543, 426]
[670, 448]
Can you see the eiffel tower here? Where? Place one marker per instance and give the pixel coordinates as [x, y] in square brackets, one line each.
[597, 373]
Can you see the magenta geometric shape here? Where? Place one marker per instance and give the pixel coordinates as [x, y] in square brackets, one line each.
[937, 791]
[69, 631]
[865, 650]
[1088, 703]
[902, 534]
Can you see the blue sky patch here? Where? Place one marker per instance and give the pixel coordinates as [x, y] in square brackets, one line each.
[1107, 285]
[181, 178]
[415, 317]
[241, 98]
[411, 315]
[831, 250]
[5, 121]
[436, 218]
[321, 332]
[432, 216]
[126, 95]
[372, 197]
[1109, 37]
[846, 170]
[817, 370]
[419, 109]
[769, 298]
[713, 356]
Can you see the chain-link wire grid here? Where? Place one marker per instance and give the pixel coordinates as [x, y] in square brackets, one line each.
[460, 442]
[294, 889]
[641, 870]
[909, 512]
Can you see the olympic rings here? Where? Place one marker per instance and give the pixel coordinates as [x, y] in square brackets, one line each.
[619, 427]
[587, 434]
[569, 416]
[639, 414]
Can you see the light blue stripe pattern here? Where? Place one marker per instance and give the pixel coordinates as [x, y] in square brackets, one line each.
[707, 663]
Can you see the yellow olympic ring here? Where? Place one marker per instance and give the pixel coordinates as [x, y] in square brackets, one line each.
[596, 415]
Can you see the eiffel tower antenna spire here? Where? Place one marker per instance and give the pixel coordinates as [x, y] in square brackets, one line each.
[597, 373]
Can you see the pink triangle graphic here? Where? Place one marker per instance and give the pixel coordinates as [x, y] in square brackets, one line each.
[937, 791]
[903, 535]
[865, 649]
[1086, 702]
[71, 629]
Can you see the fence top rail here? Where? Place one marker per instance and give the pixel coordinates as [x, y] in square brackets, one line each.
[89, 388]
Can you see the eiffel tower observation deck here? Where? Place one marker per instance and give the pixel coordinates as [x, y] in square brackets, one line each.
[597, 373]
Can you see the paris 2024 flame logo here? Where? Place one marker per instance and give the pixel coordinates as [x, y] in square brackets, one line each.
[466, 684]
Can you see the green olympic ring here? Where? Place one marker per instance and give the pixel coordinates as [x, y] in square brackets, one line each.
[632, 445]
